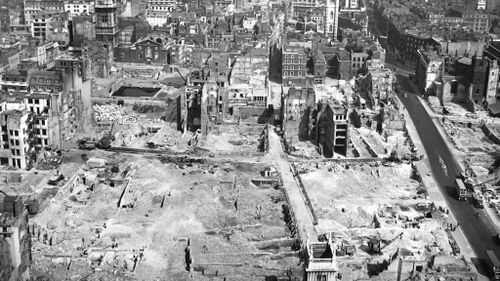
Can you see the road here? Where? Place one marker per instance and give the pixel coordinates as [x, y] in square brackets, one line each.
[475, 223]
[302, 215]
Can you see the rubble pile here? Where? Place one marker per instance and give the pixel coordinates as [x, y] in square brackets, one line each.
[113, 113]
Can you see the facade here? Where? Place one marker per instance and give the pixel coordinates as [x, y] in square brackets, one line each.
[481, 4]
[78, 7]
[34, 7]
[14, 144]
[143, 51]
[58, 30]
[358, 60]
[106, 26]
[15, 239]
[332, 19]
[492, 84]
[297, 106]
[189, 104]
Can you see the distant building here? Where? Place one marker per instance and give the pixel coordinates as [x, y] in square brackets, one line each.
[15, 239]
[34, 7]
[358, 61]
[492, 84]
[39, 25]
[481, 4]
[78, 7]
[158, 11]
[477, 21]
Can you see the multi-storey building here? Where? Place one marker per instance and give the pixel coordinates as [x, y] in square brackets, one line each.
[332, 18]
[15, 239]
[34, 7]
[39, 25]
[294, 63]
[477, 21]
[14, 129]
[158, 11]
[358, 61]
[481, 4]
[78, 7]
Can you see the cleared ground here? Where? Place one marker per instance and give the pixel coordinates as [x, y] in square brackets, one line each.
[234, 228]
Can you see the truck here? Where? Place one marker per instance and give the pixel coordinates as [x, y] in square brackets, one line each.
[477, 200]
[493, 265]
[460, 190]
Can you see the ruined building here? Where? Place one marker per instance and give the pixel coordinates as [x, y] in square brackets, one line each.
[189, 104]
[15, 240]
[321, 264]
[331, 128]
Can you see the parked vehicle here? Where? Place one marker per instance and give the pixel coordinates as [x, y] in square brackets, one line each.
[493, 265]
[460, 190]
[477, 200]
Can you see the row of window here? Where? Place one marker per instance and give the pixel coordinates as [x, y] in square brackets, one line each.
[293, 62]
[293, 66]
[294, 57]
[299, 73]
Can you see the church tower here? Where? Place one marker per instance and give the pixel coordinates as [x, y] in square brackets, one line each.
[332, 18]
[106, 28]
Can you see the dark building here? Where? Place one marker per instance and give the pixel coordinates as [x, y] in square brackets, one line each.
[83, 29]
[479, 78]
[143, 51]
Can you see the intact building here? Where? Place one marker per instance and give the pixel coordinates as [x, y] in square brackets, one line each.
[78, 7]
[159, 11]
[294, 63]
[34, 7]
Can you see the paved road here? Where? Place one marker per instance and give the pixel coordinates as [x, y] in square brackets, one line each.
[302, 215]
[477, 228]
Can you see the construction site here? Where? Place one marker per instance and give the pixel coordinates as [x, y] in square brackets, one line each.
[126, 216]
[382, 223]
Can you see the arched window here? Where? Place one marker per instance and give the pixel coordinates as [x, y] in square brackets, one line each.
[331, 15]
[331, 27]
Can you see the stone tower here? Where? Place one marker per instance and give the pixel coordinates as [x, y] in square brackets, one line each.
[106, 28]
